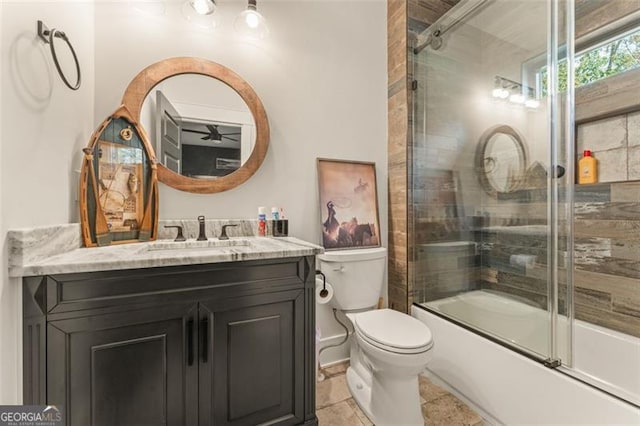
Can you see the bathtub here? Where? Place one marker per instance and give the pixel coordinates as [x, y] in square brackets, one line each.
[510, 388]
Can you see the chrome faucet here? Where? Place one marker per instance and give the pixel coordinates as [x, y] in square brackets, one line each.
[202, 235]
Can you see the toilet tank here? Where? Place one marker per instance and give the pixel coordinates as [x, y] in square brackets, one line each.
[356, 276]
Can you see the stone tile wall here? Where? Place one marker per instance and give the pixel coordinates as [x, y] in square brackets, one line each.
[445, 190]
[404, 19]
[399, 160]
[607, 256]
[606, 275]
[615, 143]
[454, 208]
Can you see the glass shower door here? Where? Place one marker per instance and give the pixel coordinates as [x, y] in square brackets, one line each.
[488, 127]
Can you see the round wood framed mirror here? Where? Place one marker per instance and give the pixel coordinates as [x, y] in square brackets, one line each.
[210, 142]
[501, 160]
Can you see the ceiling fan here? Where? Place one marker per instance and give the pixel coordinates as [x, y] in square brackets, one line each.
[213, 134]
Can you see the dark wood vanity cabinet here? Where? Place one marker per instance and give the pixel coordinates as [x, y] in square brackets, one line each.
[219, 344]
[118, 369]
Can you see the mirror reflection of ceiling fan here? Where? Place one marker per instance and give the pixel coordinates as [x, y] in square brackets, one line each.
[213, 134]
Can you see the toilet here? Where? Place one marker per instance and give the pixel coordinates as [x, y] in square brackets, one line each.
[389, 349]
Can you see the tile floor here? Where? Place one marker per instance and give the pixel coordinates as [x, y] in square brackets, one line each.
[335, 407]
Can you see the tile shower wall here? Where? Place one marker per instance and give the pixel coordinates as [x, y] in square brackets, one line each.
[398, 152]
[606, 235]
[615, 143]
[440, 184]
[452, 110]
[606, 257]
[405, 19]
[510, 231]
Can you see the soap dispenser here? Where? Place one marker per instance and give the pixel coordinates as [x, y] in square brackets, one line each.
[587, 168]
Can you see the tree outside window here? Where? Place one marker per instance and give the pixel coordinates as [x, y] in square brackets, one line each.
[596, 64]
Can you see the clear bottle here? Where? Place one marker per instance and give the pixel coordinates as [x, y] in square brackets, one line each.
[587, 168]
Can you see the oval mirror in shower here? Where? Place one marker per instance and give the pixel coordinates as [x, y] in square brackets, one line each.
[501, 160]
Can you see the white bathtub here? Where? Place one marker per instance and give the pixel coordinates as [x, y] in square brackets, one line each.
[513, 389]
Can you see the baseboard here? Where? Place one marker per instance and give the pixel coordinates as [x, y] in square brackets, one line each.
[329, 364]
[487, 418]
[334, 355]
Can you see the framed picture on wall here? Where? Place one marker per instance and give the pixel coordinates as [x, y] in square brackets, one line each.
[348, 204]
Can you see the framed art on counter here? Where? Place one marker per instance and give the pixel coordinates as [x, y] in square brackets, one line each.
[348, 204]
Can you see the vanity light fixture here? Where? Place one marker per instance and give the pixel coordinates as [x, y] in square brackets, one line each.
[500, 93]
[516, 93]
[251, 23]
[500, 88]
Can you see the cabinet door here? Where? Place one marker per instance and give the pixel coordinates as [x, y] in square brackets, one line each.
[251, 360]
[131, 368]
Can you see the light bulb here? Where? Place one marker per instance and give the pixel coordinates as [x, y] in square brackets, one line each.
[532, 103]
[250, 23]
[203, 7]
[252, 19]
[500, 93]
[517, 98]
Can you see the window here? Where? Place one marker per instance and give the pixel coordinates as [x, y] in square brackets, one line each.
[612, 57]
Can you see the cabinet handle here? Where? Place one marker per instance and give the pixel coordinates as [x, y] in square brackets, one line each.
[190, 342]
[205, 339]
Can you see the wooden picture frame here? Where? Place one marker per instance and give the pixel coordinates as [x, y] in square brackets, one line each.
[118, 184]
[348, 204]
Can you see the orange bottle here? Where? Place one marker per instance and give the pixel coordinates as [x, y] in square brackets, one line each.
[587, 168]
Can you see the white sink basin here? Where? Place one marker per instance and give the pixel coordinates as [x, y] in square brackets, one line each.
[199, 245]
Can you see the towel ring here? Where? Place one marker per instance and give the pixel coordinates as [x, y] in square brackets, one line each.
[48, 37]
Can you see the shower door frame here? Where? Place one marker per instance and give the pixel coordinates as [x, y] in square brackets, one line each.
[562, 114]
[560, 45]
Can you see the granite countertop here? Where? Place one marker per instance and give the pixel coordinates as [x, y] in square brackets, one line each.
[55, 250]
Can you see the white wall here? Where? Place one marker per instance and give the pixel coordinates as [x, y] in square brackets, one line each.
[321, 76]
[44, 126]
[7, 355]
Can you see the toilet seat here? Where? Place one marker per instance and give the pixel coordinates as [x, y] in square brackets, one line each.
[393, 331]
[392, 349]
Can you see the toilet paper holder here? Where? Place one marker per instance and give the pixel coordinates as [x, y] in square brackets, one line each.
[324, 292]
